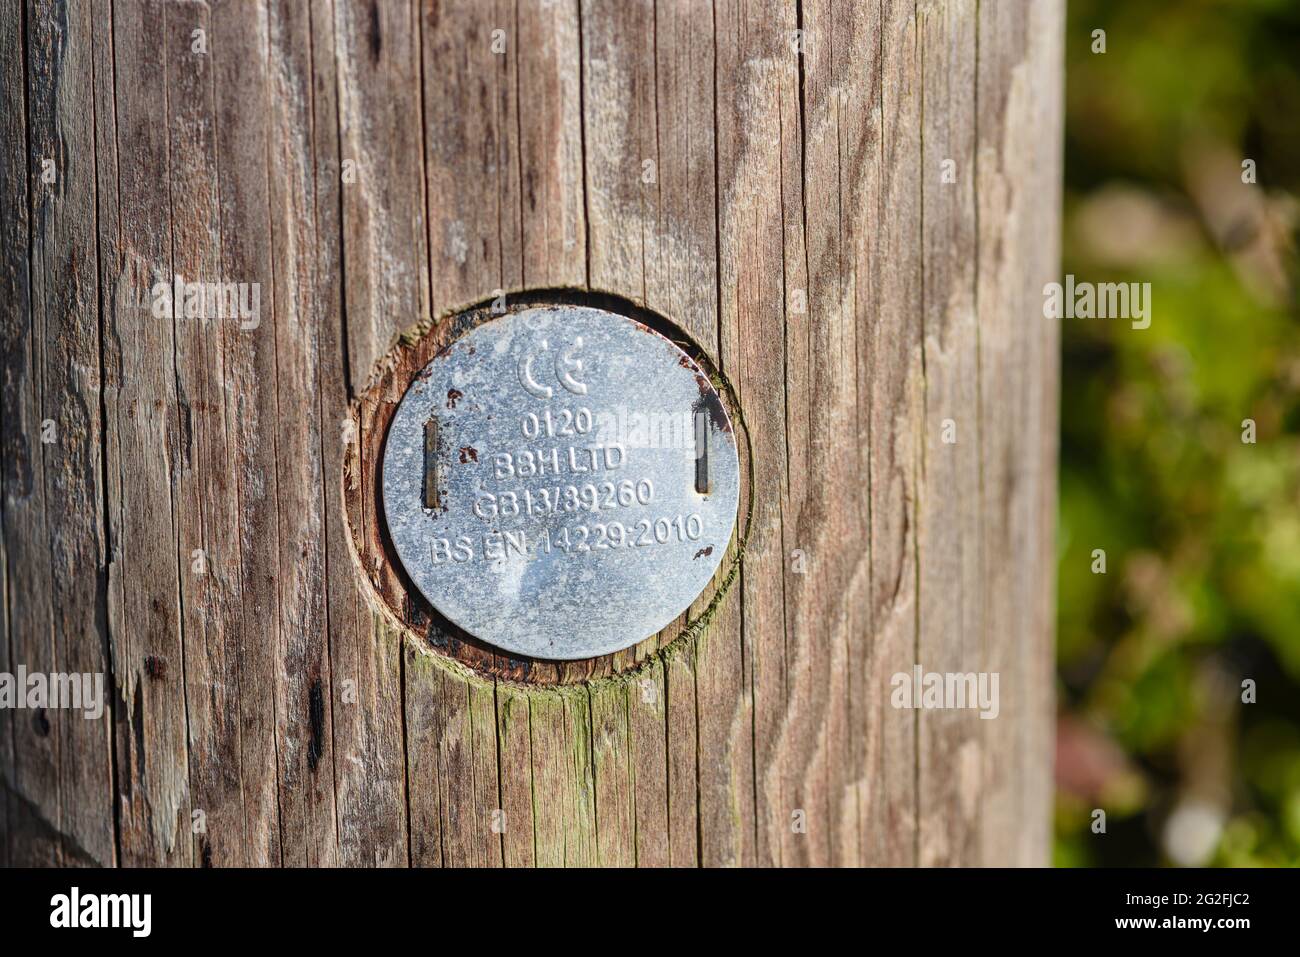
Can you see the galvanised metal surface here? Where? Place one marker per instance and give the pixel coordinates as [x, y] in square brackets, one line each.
[561, 482]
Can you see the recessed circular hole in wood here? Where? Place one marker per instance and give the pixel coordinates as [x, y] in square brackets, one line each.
[373, 416]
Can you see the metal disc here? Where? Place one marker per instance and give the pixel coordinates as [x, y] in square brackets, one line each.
[561, 482]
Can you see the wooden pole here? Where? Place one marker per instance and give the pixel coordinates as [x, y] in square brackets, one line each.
[850, 207]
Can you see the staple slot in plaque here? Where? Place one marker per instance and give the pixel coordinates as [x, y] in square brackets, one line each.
[702, 451]
[431, 463]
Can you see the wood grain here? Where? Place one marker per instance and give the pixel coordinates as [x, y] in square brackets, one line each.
[847, 209]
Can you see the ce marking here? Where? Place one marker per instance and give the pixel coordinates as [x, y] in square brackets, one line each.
[566, 366]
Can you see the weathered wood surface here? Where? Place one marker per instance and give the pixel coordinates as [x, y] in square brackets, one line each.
[770, 176]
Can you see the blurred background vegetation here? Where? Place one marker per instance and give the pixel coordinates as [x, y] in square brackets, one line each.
[1201, 530]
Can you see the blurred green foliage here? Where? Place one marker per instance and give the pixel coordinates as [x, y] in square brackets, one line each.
[1201, 530]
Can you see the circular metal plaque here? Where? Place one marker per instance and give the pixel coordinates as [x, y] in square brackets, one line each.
[561, 482]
